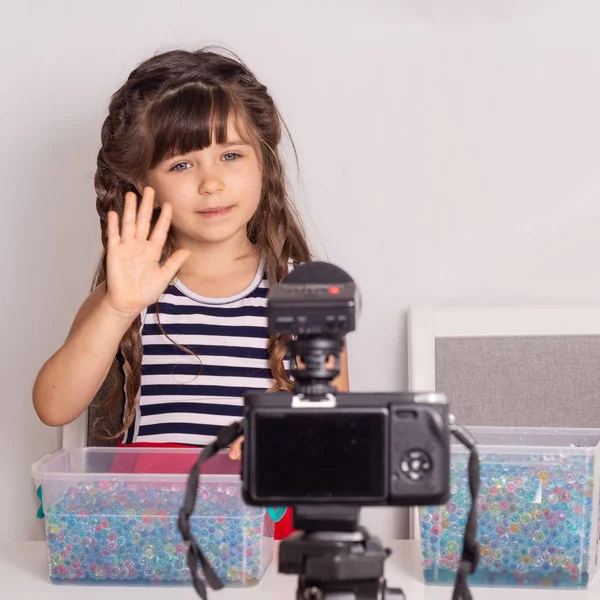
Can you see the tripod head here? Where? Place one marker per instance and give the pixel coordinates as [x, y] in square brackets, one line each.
[333, 556]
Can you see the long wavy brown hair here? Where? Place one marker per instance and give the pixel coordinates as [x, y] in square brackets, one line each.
[171, 104]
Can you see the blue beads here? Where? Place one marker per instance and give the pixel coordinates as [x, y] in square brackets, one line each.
[535, 520]
[124, 532]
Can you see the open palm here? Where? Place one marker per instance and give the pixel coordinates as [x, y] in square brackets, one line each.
[135, 278]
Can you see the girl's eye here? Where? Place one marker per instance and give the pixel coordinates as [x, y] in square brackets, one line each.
[230, 156]
[180, 166]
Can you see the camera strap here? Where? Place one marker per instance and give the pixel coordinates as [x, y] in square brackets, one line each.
[469, 559]
[226, 436]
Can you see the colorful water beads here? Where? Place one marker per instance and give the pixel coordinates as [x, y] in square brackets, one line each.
[123, 532]
[535, 521]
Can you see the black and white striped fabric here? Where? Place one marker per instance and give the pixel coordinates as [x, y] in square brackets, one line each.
[186, 398]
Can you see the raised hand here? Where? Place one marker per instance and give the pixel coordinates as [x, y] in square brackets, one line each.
[134, 277]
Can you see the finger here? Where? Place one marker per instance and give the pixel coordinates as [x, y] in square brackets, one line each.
[112, 230]
[144, 215]
[174, 263]
[161, 229]
[235, 452]
[128, 224]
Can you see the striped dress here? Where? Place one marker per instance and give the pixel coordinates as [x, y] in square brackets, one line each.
[185, 398]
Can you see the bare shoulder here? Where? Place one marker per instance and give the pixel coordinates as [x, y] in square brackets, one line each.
[89, 305]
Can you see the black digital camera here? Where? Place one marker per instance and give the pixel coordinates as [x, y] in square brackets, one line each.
[365, 449]
[316, 446]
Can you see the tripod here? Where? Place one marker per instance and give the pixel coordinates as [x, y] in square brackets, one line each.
[334, 557]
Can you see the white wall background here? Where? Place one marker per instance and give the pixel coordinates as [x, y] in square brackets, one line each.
[449, 153]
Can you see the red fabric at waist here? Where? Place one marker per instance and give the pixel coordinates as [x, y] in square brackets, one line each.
[183, 463]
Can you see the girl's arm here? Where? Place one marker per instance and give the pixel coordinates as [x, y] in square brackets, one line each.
[342, 381]
[69, 380]
[71, 377]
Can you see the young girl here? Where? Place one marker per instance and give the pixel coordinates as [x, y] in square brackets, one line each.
[196, 223]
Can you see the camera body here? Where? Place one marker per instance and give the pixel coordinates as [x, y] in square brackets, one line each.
[359, 449]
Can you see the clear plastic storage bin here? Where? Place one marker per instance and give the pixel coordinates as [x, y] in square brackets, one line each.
[111, 517]
[538, 509]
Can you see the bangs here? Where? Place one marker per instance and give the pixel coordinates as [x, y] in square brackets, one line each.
[190, 119]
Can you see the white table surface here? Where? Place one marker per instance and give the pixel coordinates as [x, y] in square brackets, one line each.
[24, 575]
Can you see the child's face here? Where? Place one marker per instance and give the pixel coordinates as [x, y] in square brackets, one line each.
[214, 192]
